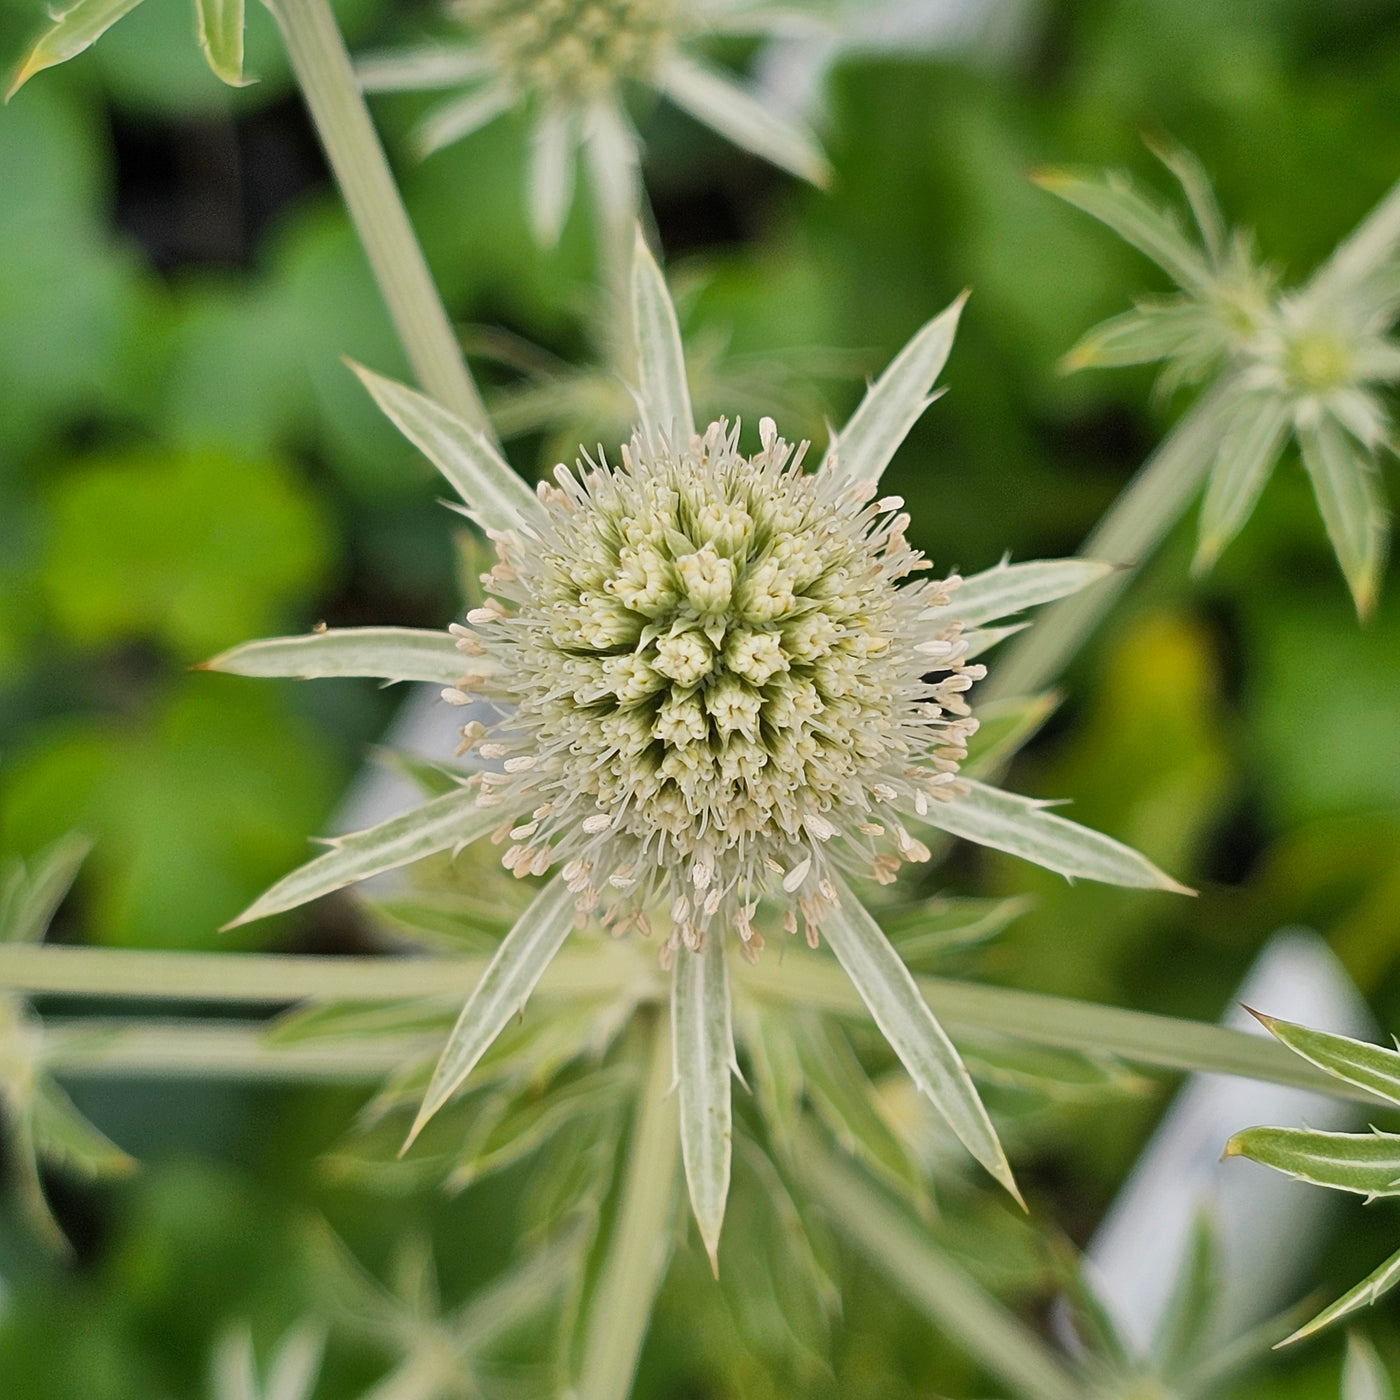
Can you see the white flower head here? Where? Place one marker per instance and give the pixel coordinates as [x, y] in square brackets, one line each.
[569, 62]
[711, 688]
[717, 684]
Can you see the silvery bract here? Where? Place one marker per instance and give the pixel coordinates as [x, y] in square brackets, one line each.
[1306, 364]
[716, 691]
[570, 60]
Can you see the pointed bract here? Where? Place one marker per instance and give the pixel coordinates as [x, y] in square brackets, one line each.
[463, 454]
[1023, 827]
[888, 990]
[663, 395]
[220, 28]
[894, 403]
[384, 653]
[702, 1041]
[449, 821]
[505, 986]
[1010, 588]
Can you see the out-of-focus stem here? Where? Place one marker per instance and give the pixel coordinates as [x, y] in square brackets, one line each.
[619, 969]
[950, 1298]
[322, 67]
[1137, 522]
[640, 1245]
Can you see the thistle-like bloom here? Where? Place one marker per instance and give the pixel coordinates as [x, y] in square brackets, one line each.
[1309, 364]
[713, 689]
[569, 62]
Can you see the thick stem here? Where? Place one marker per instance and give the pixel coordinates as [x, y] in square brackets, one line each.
[640, 1246]
[953, 1301]
[1137, 522]
[323, 70]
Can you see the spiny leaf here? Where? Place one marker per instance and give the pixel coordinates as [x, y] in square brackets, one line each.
[1369, 1067]
[505, 986]
[1248, 450]
[895, 402]
[1344, 481]
[221, 37]
[662, 391]
[72, 31]
[702, 1052]
[439, 825]
[1366, 1163]
[385, 653]
[1008, 588]
[1372, 1288]
[472, 466]
[1023, 827]
[887, 988]
[1115, 202]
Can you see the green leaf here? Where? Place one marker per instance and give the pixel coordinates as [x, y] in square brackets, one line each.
[936, 927]
[1008, 588]
[1249, 448]
[887, 988]
[1189, 1323]
[463, 454]
[1370, 1290]
[1344, 480]
[221, 38]
[1003, 728]
[662, 391]
[702, 1052]
[1366, 1163]
[72, 31]
[1133, 218]
[361, 1020]
[722, 105]
[29, 897]
[1369, 1067]
[460, 116]
[771, 1046]
[845, 1100]
[445, 822]
[1364, 1376]
[385, 653]
[196, 549]
[64, 1138]
[1023, 827]
[895, 402]
[504, 988]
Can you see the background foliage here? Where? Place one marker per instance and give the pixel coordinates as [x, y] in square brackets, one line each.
[185, 462]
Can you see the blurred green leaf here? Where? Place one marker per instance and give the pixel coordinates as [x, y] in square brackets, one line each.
[196, 549]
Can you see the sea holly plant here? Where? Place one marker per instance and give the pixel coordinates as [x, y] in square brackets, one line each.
[569, 62]
[712, 694]
[1310, 366]
[43, 1129]
[1367, 1164]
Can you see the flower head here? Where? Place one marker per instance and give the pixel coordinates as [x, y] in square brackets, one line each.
[710, 688]
[569, 62]
[715, 685]
[1309, 363]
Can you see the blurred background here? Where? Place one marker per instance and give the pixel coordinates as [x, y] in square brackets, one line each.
[186, 463]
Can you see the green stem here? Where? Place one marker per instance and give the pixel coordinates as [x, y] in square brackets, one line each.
[898, 1246]
[640, 1245]
[1137, 522]
[327, 80]
[616, 969]
[212, 1050]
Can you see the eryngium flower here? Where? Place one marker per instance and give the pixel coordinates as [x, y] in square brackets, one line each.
[1310, 363]
[569, 62]
[713, 689]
